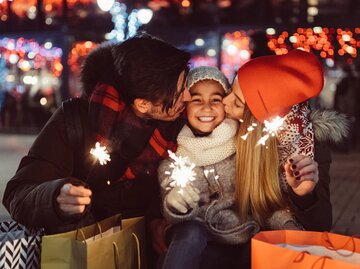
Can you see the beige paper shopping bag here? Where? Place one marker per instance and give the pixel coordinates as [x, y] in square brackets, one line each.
[123, 248]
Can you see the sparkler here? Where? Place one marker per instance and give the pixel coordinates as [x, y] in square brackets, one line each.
[100, 153]
[271, 129]
[182, 171]
[249, 130]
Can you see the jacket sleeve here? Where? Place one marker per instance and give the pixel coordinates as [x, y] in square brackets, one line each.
[30, 196]
[314, 211]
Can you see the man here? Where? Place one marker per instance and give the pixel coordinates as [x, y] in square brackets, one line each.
[133, 96]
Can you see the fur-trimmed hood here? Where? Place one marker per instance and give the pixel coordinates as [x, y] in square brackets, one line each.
[329, 125]
[99, 67]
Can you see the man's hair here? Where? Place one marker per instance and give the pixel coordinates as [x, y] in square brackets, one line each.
[140, 67]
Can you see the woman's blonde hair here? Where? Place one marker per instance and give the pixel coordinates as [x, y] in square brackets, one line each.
[257, 188]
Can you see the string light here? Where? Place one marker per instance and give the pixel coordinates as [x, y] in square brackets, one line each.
[78, 52]
[28, 54]
[126, 24]
[318, 39]
[51, 7]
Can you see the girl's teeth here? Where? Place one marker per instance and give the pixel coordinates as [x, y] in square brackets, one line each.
[206, 118]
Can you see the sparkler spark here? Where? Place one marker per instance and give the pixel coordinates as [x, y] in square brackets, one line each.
[271, 128]
[249, 130]
[100, 153]
[244, 137]
[182, 171]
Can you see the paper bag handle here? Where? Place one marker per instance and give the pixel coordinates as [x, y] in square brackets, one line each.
[301, 256]
[138, 249]
[100, 230]
[80, 231]
[325, 238]
[116, 252]
[323, 259]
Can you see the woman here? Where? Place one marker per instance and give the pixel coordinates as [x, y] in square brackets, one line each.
[272, 86]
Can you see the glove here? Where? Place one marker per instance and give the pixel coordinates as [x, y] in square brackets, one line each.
[182, 199]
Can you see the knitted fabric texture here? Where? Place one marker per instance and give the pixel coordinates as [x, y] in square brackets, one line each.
[296, 137]
[210, 149]
[273, 84]
[136, 146]
[207, 72]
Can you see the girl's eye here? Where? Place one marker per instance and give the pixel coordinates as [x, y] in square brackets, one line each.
[195, 100]
[217, 100]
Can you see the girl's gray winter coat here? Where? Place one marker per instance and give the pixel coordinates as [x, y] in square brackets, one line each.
[216, 185]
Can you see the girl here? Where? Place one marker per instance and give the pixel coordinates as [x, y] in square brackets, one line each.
[204, 210]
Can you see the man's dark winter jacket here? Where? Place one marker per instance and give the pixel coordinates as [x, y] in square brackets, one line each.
[30, 195]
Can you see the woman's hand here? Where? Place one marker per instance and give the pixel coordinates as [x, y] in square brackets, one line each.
[302, 174]
[73, 199]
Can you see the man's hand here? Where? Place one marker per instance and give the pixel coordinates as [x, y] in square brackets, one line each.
[302, 174]
[157, 229]
[73, 199]
[182, 199]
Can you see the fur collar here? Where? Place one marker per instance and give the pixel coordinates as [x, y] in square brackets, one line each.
[98, 68]
[329, 125]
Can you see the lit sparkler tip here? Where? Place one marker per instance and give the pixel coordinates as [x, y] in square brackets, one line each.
[100, 153]
[273, 125]
[271, 128]
[182, 170]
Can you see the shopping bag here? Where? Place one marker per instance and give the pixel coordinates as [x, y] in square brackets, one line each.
[19, 246]
[112, 243]
[304, 249]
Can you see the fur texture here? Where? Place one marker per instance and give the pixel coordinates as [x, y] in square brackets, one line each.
[99, 68]
[329, 125]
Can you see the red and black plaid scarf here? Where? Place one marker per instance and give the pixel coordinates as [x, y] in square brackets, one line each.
[139, 145]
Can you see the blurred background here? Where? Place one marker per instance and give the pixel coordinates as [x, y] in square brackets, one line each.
[43, 44]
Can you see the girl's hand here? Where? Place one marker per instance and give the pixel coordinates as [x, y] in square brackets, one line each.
[182, 199]
[302, 174]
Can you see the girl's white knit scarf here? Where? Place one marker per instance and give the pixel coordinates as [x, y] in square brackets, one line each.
[210, 149]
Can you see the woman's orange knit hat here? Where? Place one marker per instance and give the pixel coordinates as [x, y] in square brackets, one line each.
[273, 84]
